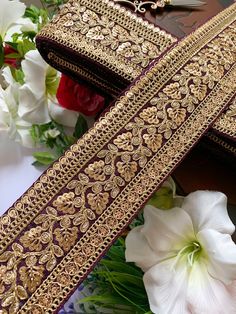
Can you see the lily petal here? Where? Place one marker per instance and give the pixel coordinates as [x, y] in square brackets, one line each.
[207, 295]
[9, 13]
[61, 115]
[167, 231]
[221, 254]
[6, 73]
[25, 139]
[138, 250]
[35, 69]
[32, 109]
[166, 288]
[208, 210]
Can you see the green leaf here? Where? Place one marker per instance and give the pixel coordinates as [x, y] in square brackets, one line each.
[81, 127]
[121, 267]
[18, 75]
[14, 55]
[24, 46]
[33, 13]
[43, 158]
[162, 199]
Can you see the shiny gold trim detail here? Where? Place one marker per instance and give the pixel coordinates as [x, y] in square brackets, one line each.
[92, 47]
[97, 187]
[116, 216]
[92, 77]
[222, 143]
[108, 34]
[140, 6]
[226, 123]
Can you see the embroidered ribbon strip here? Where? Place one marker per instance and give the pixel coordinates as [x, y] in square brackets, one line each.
[55, 233]
[90, 38]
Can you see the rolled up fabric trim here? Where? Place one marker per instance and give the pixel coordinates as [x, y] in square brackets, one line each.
[53, 236]
[108, 46]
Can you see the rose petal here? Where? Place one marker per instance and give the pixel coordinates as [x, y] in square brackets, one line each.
[167, 231]
[166, 288]
[221, 254]
[138, 250]
[208, 211]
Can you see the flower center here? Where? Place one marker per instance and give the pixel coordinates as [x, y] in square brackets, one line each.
[192, 251]
[51, 81]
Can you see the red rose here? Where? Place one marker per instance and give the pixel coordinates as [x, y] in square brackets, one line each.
[10, 61]
[78, 97]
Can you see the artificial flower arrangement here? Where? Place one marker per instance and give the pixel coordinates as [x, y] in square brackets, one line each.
[177, 257]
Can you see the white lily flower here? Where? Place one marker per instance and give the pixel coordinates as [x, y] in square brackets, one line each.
[188, 256]
[41, 82]
[61, 115]
[10, 12]
[33, 109]
[40, 77]
[17, 128]
[21, 25]
[7, 75]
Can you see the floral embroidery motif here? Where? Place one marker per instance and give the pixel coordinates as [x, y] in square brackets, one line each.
[31, 274]
[96, 170]
[66, 235]
[110, 34]
[176, 113]
[151, 115]
[67, 203]
[98, 201]
[33, 239]
[124, 141]
[153, 140]
[127, 168]
[198, 89]
[173, 91]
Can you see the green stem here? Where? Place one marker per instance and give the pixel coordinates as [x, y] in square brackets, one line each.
[121, 294]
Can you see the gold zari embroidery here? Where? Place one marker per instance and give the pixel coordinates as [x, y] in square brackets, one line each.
[96, 188]
[226, 123]
[110, 35]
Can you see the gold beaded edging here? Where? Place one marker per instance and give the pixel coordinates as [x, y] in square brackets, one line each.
[108, 57]
[91, 77]
[226, 146]
[226, 123]
[109, 35]
[159, 116]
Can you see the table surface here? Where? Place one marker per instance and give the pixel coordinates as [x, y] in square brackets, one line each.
[16, 171]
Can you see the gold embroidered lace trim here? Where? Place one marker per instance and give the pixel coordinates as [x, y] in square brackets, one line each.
[227, 146]
[108, 34]
[226, 123]
[116, 39]
[105, 83]
[97, 187]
